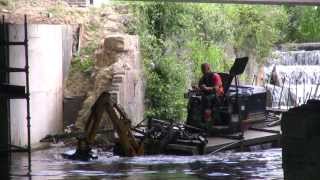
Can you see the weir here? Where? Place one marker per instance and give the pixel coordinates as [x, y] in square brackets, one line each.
[297, 73]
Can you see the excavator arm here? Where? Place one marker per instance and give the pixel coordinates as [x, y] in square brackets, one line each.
[122, 125]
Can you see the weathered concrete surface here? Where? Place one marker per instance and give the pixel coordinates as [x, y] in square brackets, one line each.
[67, 48]
[117, 70]
[301, 142]
[46, 77]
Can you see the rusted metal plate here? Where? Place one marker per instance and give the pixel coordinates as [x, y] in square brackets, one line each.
[271, 2]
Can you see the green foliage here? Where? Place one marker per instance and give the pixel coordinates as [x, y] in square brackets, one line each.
[174, 42]
[256, 28]
[165, 89]
[201, 53]
[304, 24]
[82, 63]
[210, 23]
[166, 81]
[177, 37]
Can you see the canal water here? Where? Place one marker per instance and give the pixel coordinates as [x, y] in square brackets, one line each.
[48, 164]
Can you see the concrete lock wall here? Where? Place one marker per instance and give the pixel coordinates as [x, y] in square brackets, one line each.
[46, 81]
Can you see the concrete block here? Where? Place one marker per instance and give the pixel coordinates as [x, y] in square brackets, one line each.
[300, 124]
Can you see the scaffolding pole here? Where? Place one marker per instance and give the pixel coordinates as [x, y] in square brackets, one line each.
[26, 93]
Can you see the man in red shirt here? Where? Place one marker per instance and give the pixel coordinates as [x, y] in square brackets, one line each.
[211, 84]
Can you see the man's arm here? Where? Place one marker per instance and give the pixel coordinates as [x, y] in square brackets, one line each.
[206, 88]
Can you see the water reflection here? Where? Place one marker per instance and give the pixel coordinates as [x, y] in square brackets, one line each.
[5, 165]
[48, 164]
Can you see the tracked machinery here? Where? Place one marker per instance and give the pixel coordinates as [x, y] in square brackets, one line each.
[239, 108]
[152, 136]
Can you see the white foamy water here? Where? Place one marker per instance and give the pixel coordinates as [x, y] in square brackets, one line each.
[298, 71]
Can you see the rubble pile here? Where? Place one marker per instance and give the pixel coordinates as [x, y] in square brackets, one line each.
[301, 142]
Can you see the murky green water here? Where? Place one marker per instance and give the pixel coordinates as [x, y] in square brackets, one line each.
[48, 164]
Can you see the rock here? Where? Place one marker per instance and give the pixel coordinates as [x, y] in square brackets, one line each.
[115, 17]
[103, 80]
[104, 59]
[122, 9]
[78, 83]
[115, 43]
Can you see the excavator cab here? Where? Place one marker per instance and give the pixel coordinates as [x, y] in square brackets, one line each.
[226, 112]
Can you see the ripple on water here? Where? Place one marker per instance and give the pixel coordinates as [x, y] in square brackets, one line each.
[251, 165]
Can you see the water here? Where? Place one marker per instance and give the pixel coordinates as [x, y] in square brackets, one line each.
[300, 71]
[48, 164]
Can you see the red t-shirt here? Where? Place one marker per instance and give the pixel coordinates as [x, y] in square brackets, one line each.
[216, 80]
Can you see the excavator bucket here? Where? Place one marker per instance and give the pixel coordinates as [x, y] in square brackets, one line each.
[82, 153]
[121, 123]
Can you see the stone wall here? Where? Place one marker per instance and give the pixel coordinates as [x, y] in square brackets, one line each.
[117, 70]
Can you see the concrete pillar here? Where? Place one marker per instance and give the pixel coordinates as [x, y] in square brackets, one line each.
[46, 77]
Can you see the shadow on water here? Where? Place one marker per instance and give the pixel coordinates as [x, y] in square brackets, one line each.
[48, 164]
[14, 163]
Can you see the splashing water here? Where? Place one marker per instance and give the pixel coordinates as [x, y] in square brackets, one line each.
[299, 74]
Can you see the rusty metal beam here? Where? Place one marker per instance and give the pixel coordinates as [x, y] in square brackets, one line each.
[267, 2]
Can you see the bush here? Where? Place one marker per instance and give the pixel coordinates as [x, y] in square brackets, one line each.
[201, 53]
[303, 24]
[256, 28]
[166, 85]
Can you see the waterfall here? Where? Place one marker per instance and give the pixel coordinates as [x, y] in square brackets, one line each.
[297, 73]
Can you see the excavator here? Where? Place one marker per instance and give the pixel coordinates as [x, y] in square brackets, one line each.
[154, 137]
[241, 105]
[239, 108]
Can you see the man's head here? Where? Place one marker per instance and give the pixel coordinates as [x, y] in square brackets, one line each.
[205, 68]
